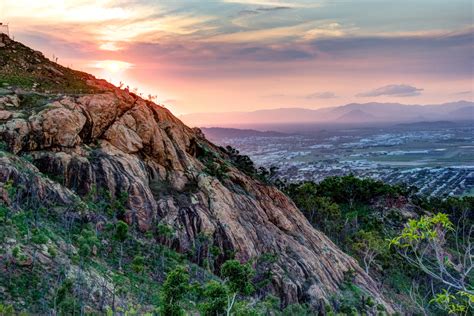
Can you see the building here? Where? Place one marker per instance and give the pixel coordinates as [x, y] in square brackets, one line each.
[4, 29]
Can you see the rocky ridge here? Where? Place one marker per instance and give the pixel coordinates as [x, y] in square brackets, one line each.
[115, 140]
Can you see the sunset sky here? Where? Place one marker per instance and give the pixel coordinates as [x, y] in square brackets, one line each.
[240, 55]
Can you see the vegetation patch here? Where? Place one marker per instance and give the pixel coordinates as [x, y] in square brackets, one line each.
[366, 219]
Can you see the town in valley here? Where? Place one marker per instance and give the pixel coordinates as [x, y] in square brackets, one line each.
[436, 157]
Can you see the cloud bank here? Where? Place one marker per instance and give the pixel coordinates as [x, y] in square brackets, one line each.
[210, 54]
[398, 90]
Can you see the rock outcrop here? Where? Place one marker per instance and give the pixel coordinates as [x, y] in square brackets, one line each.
[117, 141]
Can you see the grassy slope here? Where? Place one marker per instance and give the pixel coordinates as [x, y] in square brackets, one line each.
[21, 67]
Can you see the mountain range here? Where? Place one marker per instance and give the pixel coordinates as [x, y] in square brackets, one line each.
[363, 113]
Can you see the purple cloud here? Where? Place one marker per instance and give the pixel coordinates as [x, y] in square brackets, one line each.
[397, 90]
[321, 95]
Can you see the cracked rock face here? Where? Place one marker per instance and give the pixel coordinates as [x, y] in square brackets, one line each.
[122, 143]
[118, 142]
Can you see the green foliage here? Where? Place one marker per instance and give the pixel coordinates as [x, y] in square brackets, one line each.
[121, 231]
[216, 169]
[138, 264]
[86, 241]
[424, 229]
[214, 164]
[352, 300]
[369, 245]
[457, 303]
[117, 206]
[369, 240]
[39, 237]
[264, 272]
[23, 68]
[173, 291]
[10, 188]
[146, 282]
[3, 146]
[7, 310]
[243, 163]
[347, 189]
[65, 300]
[297, 310]
[246, 165]
[425, 244]
[243, 308]
[164, 231]
[239, 276]
[320, 210]
[455, 207]
[52, 252]
[355, 214]
[215, 299]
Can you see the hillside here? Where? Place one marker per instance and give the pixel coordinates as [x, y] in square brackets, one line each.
[83, 159]
[356, 116]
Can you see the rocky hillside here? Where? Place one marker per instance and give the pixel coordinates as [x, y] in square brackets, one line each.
[81, 135]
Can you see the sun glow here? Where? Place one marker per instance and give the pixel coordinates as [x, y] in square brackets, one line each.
[110, 46]
[113, 66]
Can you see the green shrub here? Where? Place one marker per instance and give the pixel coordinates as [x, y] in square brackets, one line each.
[239, 276]
[215, 297]
[173, 291]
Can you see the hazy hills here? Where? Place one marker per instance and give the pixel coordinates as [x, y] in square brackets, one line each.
[373, 112]
[217, 133]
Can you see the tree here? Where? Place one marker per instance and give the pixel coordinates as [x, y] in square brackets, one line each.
[165, 233]
[174, 289]
[458, 303]
[321, 211]
[64, 301]
[117, 206]
[263, 272]
[87, 241]
[121, 235]
[369, 245]
[202, 249]
[215, 294]
[138, 264]
[7, 310]
[119, 287]
[238, 278]
[424, 243]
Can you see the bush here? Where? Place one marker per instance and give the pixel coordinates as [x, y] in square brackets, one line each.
[215, 299]
[174, 289]
[239, 276]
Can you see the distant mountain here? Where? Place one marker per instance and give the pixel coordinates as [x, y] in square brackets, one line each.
[218, 133]
[356, 116]
[281, 115]
[424, 124]
[372, 112]
[464, 113]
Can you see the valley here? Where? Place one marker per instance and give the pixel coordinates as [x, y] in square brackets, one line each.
[437, 158]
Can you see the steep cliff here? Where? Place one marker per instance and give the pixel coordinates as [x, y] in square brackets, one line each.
[88, 135]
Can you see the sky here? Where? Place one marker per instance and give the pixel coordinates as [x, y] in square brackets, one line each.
[244, 55]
